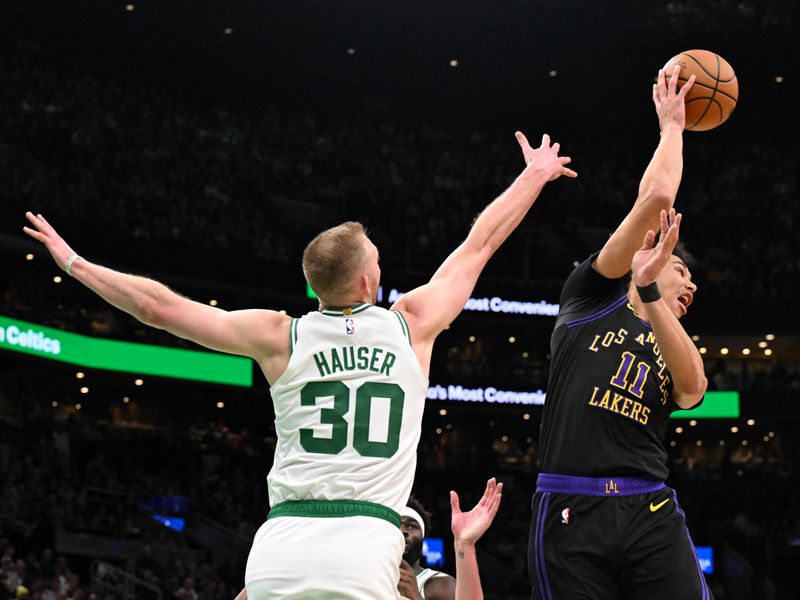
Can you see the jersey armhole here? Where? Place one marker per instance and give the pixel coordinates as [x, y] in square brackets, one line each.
[403, 325]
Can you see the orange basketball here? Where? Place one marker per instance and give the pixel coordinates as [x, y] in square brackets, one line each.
[713, 97]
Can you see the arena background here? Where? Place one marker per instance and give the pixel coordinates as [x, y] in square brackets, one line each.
[204, 143]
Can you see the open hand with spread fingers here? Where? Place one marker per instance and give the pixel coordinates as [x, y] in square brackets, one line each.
[545, 158]
[650, 259]
[55, 244]
[468, 527]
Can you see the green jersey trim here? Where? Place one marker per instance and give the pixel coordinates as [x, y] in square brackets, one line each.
[327, 509]
[292, 335]
[347, 311]
[403, 325]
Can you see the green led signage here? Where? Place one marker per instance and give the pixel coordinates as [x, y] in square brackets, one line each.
[716, 405]
[141, 359]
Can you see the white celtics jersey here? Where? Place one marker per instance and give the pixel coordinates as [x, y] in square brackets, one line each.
[426, 575]
[348, 409]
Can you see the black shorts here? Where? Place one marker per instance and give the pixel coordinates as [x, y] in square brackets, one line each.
[613, 545]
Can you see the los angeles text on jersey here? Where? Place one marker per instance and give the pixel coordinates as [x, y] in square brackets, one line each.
[628, 383]
[351, 358]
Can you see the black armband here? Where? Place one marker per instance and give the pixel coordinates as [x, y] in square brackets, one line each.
[648, 293]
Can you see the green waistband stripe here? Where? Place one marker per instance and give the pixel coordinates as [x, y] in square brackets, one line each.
[327, 509]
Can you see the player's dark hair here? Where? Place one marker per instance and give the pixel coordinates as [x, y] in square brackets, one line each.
[680, 251]
[417, 506]
[683, 253]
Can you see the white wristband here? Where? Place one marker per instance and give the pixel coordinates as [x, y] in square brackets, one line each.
[71, 260]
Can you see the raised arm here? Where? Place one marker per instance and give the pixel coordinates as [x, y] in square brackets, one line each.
[659, 184]
[467, 529]
[679, 352]
[260, 334]
[430, 308]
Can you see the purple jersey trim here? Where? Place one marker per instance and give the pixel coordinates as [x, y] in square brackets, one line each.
[601, 313]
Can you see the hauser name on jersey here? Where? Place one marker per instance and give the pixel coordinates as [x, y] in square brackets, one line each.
[352, 358]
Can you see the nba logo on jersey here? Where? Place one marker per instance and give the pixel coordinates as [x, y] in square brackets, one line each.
[565, 516]
[349, 326]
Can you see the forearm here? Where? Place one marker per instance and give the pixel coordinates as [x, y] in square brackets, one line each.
[489, 231]
[468, 581]
[137, 296]
[501, 217]
[662, 177]
[680, 355]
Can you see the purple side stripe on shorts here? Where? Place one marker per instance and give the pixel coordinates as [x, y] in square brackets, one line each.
[703, 584]
[601, 313]
[548, 594]
[537, 551]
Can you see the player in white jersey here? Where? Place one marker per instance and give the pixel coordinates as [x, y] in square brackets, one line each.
[348, 386]
[418, 582]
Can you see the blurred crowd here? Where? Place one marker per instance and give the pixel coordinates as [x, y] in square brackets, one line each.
[39, 575]
[287, 172]
[76, 474]
[137, 166]
[729, 15]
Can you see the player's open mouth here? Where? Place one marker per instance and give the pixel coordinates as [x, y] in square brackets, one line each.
[685, 299]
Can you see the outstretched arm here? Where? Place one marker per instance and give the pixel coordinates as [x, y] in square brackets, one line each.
[254, 333]
[467, 529]
[684, 362]
[659, 185]
[430, 308]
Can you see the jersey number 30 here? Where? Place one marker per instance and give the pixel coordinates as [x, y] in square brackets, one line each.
[365, 393]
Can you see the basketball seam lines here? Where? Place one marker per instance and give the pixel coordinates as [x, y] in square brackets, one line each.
[708, 87]
[706, 71]
[714, 92]
[710, 100]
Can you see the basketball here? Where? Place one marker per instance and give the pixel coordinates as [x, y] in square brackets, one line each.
[713, 97]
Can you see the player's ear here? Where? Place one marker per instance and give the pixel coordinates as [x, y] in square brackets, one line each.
[364, 285]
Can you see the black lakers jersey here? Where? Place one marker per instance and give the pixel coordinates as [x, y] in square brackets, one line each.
[609, 392]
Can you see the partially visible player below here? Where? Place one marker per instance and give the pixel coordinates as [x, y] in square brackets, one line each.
[604, 524]
[348, 385]
[417, 583]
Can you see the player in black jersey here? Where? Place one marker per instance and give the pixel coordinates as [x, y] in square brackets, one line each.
[604, 525]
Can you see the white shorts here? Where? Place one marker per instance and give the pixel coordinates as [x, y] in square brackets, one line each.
[344, 558]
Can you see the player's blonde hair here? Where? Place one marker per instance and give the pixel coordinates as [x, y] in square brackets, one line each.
[333, 258]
